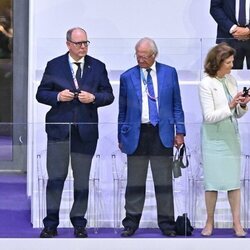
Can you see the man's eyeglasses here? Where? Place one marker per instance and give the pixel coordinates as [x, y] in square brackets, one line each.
[143, 57]
[79, 44]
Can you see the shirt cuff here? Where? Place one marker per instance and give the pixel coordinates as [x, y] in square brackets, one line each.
[231, 31]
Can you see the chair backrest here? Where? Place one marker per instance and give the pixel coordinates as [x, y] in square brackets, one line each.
[42, 169]
[41, 165]
[245, 164]
[119, 165]
[195, 169]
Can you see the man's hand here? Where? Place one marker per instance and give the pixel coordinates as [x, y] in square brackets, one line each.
[179, 140]
[86, 97]
[241, 33]
[66, 96]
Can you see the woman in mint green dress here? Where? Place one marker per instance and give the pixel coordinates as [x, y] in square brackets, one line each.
[221, 105]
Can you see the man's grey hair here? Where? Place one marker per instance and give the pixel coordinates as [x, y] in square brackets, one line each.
[150, 41]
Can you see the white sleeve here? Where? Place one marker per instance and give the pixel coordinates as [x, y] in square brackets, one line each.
[214, 106]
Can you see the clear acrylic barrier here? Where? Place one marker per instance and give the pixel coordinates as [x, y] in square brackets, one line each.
[107, 186]
[197, 209]
[149, 216]
[188, 189]
[187, 56]
[40, 179]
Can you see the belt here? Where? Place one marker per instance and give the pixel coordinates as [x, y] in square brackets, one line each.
[148, 125]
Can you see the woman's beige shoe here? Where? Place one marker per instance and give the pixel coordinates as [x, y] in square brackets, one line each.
[207, 231]
[241, 234]
[239, 231]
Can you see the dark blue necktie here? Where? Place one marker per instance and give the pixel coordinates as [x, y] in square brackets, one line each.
[78, 72]
[153, 113]
[242, 13]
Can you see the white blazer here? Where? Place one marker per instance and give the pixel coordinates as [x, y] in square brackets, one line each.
[214, 101]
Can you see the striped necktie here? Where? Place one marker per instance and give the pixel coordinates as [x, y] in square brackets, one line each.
[153, 113]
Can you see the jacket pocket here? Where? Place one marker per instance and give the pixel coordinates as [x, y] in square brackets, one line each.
[125, 129]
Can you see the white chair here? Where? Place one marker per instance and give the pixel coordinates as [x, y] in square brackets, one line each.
[197, 209]
[149, 216]
[67, 196]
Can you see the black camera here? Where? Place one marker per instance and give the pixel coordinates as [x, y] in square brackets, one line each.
[76, 93]
[245, 91]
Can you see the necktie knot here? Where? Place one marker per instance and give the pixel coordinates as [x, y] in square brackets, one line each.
[78, 64]
[149, 77]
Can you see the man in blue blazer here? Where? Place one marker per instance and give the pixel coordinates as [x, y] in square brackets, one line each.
[232, 29]
[151, 123]
[74, 85]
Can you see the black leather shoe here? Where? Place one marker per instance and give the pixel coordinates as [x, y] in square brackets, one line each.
[80, 232]
[169, 233]
[48, 232]
[127, 232]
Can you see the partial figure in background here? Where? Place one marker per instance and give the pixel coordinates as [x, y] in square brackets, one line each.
[75, 85]
[6, 34]
[151, 123]
[6, 76]
[232, 17]
[221, 105]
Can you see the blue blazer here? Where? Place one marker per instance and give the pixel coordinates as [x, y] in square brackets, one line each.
[223, 12]
[171, 114]
[57, 77]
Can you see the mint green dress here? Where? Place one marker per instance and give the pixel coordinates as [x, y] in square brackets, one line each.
[221, 152]
[221, 156]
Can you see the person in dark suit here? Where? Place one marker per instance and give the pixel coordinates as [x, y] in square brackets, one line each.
[151, 123]
[232, 17]
[74, 85]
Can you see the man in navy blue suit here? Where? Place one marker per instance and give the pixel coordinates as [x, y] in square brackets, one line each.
[151, 123]
[232, 17]
[74, 85]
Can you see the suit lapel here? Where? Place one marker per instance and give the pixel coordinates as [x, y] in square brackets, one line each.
[86, 70]
[230, 87]
[232, 7]
[160, 78]
[67, 71]
[68, 74]
[136, 80]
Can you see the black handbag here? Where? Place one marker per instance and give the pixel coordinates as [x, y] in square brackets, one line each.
[180, 160]
[183, 225]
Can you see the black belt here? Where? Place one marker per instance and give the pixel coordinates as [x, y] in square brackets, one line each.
[148, 125]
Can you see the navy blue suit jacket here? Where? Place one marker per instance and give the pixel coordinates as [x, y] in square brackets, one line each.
[130, 107]
[58, 77]
[223, 12]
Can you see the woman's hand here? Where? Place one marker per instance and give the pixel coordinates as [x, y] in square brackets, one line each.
[239, 99]
[243, 102]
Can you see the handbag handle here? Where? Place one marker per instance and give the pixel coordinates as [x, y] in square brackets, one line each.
[182, 156]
